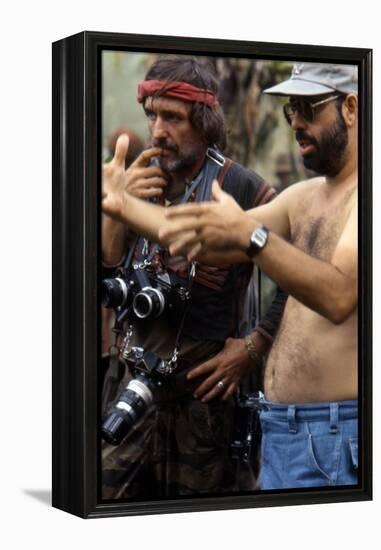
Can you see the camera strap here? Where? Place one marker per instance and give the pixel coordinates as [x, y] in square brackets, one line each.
[214, 162]
[128, 261]
[170, 366]
[200, 188]
[114, 374]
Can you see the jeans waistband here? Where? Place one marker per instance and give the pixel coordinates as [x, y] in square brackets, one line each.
[300, 412]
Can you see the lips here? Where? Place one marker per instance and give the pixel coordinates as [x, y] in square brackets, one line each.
[306, 147]
[168, 154]
[164, 145]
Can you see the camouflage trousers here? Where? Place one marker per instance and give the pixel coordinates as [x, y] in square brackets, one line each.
[181, 447]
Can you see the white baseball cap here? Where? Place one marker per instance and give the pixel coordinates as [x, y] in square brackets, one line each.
[316, 79]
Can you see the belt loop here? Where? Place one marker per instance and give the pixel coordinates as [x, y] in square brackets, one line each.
[333, 418]
[291, 418]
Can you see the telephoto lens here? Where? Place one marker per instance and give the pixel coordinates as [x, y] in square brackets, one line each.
[132, 405]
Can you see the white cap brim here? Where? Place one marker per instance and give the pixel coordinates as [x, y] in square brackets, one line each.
[297, 86]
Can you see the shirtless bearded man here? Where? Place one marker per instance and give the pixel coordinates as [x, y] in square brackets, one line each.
[306, 241]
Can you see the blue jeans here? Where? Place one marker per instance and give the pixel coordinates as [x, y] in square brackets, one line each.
[308, 444]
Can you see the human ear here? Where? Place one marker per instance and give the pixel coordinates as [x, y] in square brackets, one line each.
[350, 110]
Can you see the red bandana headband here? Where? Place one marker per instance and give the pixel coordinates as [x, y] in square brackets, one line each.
[177, 90]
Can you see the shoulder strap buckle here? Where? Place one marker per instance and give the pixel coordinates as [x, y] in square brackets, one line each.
[215, 156]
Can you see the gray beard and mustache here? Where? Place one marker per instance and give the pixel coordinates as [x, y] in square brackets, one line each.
[184, 159]
[329, 156]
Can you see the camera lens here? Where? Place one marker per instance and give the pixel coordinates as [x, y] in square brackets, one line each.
[149, 302]
[114, 292]
[130, 408]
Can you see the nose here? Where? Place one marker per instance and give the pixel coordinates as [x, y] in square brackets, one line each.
[297, 121]
[158, 128]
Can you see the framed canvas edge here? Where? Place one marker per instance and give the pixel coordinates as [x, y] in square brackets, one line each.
[76, 199]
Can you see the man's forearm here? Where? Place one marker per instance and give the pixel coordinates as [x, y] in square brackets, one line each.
[137, 215]
[142, 217]
[268, 326]
[113, 240]
[317, 284]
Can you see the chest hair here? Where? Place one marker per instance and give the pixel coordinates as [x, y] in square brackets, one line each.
[316, 226]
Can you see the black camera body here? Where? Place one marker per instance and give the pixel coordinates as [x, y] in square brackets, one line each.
[135, 400]
[139, 293]
[147, 295]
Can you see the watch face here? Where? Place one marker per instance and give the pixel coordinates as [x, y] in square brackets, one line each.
[258, 240]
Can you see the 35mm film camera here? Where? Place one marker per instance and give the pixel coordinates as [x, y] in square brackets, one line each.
[135, 400]
[138, 293]
[144, 293]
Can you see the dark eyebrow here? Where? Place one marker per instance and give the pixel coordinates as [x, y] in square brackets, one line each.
[164, 112]
[170, 112]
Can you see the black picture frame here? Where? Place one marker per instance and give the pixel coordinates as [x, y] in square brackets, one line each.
[76, 237]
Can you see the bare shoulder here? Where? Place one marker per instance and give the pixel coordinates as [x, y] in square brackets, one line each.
[278, 214]
[352, 211]
[301, 191]
[307, 186]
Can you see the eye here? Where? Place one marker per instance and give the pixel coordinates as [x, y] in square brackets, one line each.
[151, 115]
[172, 117]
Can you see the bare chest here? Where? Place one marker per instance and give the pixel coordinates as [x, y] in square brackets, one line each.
[316, 225]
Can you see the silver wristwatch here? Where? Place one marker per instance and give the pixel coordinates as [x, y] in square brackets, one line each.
[258, 241]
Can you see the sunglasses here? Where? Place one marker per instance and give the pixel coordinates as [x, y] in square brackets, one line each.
[304, 107]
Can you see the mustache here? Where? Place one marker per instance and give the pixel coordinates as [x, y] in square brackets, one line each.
[301, 135]
[163, 143]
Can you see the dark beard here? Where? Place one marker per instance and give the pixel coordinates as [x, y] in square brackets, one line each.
[329, 156]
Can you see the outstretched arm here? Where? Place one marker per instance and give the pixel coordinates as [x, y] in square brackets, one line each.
[211, 230]
[329, 288]
[220, 232]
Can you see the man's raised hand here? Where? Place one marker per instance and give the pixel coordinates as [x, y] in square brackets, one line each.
[143, 180]
[140, 179]
[203, 228]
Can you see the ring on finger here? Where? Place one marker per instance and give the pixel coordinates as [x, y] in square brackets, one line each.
[221, 385]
